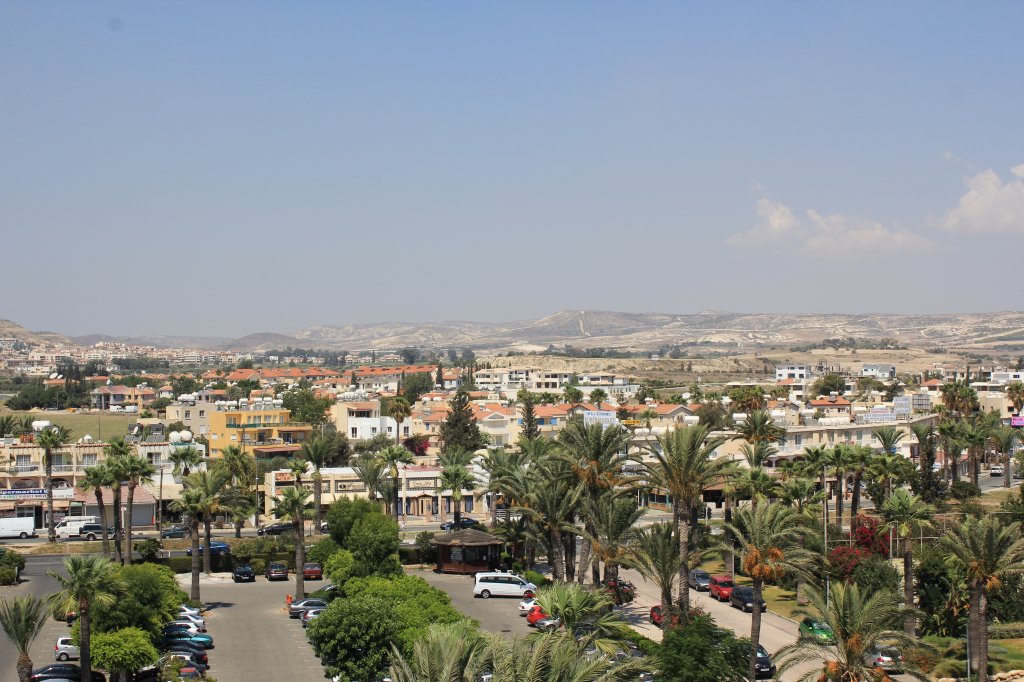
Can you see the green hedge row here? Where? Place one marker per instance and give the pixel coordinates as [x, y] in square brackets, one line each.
[1006, 630]
[226, 563]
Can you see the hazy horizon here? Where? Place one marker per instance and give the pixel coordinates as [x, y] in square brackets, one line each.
[241, 167]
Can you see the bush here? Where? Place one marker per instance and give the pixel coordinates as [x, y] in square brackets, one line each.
[876, 575]
[408, 555]
[126, 650]
[536, 578]
[702, 652]
[258, 565]
[344, 514]
[962, 491]
[8, 575]
[338, 568]
[322, 551]
[11, 558]
[426, 549]
[149, 549]
[373, 542]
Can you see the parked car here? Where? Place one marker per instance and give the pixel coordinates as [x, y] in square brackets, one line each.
[190, 610]
[216, 548]
[742, 597]
[764, 664]
[720, 587]
[658, 617]
[548, 624]
[324, 528]
[887, 658]
[526, 605]
[308, 616]
[94, 531]
[64, 671]
[198, 620]
[65, 649]
[297, 608]
[502, 585]
[177, 531]
[181, 627]
[187, 661]
[996, 470]
[536, 613]
[463, 523]
[276, 571]
[699, 579]
[197, 651]
[312, 571]
[275, 529]
[816, 630]
[243, 573]
[170, 637]
[188, 625]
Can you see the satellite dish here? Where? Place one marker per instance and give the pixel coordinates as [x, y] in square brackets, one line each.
[186, 436]
[174, 437]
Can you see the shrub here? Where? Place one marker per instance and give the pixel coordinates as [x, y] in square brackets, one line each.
[149, 549]
[866, 535]
[8, 575]
[843, 560]
[536, 578]
[13, 559]
[127, 650]
[338, 568]
[875, 574]
[322, 551]
[258, 565]
[702, 652]
[426, 549]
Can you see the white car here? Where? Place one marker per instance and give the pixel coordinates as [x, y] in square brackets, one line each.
[198, 621]
[65, 649]
[526, 605]
[189, 610]
[188, 625]
[502, 585]
[996, 470]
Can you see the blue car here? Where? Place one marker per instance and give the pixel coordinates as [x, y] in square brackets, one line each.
[172, 636]
[215, 549]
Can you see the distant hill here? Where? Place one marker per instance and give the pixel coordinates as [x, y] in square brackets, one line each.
[153, 340]
[10, 329]
[260, 342]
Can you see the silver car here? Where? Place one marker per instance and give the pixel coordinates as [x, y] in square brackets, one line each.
[65, 649]
[699, 580]
[885, 657]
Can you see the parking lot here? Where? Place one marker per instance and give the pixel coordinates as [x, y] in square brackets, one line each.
[497, 614]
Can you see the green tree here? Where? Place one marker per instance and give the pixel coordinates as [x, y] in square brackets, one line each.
[90, 581]
[117, 451]
[343, 515]
[293, 504]
[860, 621]
[702, 652]
[460, 429]
[458, 479]
[399, 409]
[95, 479]
[984, 549]
[136, 471]
[320, 452]
[760, 427]
[450, 652]
[212, 485]
[683, 465]
[530, 431]
[829, 383]
[184, 459]
[51, 439]
[373, 472]
[123, 652]
[654, 553]
[22, 619]
[614, 519]
[555, 658]
[1015, 393]
[374, 545]
[770, 540]
[598, 396]
[190, 505]
[392, 457]
[415, 385]
[584, 611]
[305, 406]
[572, 395]
[1003, 439]
[907, 515]
[148, 597]
[352, 638]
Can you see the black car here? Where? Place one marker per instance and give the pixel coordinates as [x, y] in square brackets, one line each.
[463, 523]
[178, 531]
[183, 646]
[64, 671]
[764, 664]
[275, 529]
[243, 573]
[743, 598]
[94, 531]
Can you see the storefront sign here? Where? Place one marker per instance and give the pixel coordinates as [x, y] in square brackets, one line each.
[422, 483]
[35, 494]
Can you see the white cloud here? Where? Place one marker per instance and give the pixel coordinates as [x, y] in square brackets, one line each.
[990, 204]
[817, 233]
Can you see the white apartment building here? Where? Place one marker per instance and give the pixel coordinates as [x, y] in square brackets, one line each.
[795, 372]
[881, 372]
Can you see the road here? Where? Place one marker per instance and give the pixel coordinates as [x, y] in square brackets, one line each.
[34, 582]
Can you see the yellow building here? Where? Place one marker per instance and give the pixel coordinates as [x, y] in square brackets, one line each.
[249, 426]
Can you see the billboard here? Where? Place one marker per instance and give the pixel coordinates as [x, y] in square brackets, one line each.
[35, 494]
[1017, 421]
[605, 418]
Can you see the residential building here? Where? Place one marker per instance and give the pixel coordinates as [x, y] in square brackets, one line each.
[108, 397]
[881, 372]
[795, 372]
[263, 422]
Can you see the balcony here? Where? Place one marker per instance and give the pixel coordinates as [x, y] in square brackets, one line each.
[63, 468]
[23, 468]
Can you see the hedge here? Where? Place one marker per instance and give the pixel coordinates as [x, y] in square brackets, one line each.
[1006, 630]
[8, 575]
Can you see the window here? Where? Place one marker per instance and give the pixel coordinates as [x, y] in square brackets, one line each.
[202, 413]
[88, 460]
[373, 430]
[355, 432]
[188, 414]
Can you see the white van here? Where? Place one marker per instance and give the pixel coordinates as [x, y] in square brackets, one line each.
[22, 527]
[71, 526]
[502, 585]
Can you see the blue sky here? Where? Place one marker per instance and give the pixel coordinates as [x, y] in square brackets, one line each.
[232, 167]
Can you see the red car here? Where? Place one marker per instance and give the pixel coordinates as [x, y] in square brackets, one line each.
[312, 572]
[720, 587]
[535, 614]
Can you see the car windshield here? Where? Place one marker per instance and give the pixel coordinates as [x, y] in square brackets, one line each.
[700, 574]
[820, 626]
[276, 567]
[725, 583]
[245, 567]
[312, 566]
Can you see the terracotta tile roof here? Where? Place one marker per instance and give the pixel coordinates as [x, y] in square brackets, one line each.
[830, 401]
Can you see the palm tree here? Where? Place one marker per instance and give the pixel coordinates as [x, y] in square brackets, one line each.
[770, 545]
[399, 409]
[449, 653]
[136, 470]
[457, 479]
[117, 450]
[598, 396]
[95, 479]
[907, 515]
[549, 499]
[184, 459]
[584, 611]
[976, 436]
[372, 471]
[860, 622]
[1015, 393]
[760, 427]
[211, 485]
[654, 553]
[320, 451]
[391, 457]
[594, 456]
[753, 481]
[842, 460]
[857, 461]
[22, 619]
[615, 519]
[190, 505]
[950, 434]
[802, 494]
[293, 504]
[1003, 440]
[50, 440]
[244, 473]
[91, 581]
[683, 465]
[984, 549]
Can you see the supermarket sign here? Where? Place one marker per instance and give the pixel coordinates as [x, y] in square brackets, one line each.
[35, 494]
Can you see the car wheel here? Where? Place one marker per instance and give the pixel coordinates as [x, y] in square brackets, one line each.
[23, 535]
[485, 594]
[62, 657]
[91, 537]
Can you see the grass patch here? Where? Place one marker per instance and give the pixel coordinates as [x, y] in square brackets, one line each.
[107, 424]
[63, 548]
[1013, 653]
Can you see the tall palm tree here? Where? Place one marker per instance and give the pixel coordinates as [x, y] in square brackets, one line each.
[889, 438]
[186, 458]
[372, 471]
[244, 472]
[190, 505]
[976, 437]
[391, 457]
[858, 460]
[550, 499]
[615, 520]
[753, 481]
[594, 454]
[399, 409]
[117, 451]
[760, 427]
[137, 470]
[683, 465]
[51, 439]
[320, 451]
[889, 471]
[906, 515]
[770, 542]
[457, 479]
[860, 622]
[1003, 440]
[212, 484]
[95, 479]
[842, 461]
[654, 553]
[1015, 393]
[293, 504]
[802, 494]
[22, 619]
[984, 549]
[90, 581]
[950, 435]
